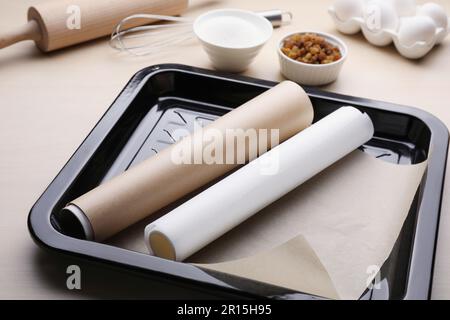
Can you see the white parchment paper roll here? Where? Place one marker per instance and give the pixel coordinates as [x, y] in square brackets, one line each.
[210, 214]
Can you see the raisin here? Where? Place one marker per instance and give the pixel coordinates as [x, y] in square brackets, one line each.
[310, 48]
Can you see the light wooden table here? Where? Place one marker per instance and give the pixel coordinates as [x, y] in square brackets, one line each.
[50, 102]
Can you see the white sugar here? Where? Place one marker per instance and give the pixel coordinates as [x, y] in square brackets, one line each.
[229, 31]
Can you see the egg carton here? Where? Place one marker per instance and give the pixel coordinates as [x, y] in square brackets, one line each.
[414, 29]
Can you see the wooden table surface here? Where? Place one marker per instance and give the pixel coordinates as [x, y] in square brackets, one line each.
[50, 102]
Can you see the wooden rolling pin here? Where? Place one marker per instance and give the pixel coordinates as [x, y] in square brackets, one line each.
[49, 22]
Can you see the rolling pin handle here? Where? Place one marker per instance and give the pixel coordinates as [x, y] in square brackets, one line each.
[29, 31]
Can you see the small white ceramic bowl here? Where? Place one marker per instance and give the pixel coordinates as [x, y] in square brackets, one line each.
[231, 37]
[312, 74]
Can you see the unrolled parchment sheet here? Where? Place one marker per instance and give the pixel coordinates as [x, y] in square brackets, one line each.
[158, 181]
[349, 217]
[229, 202]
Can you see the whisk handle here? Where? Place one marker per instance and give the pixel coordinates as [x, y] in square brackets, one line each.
[277, 17]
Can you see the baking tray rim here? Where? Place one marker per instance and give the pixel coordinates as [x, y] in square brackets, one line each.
[46, 236]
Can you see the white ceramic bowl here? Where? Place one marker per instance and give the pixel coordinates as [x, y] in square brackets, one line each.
[312, 74]
[231, 37]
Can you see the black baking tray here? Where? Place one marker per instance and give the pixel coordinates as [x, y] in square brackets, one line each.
[138, 124]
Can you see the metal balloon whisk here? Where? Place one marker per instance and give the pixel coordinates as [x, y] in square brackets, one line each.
[152, 38]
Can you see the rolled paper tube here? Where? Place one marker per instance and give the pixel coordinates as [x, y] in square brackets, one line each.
[159, 180]
[226, 204]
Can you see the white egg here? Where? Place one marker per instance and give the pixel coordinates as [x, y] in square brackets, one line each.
[435, 12]
[347, 9]
[415, 29]
[380, 15]
[405, 7]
